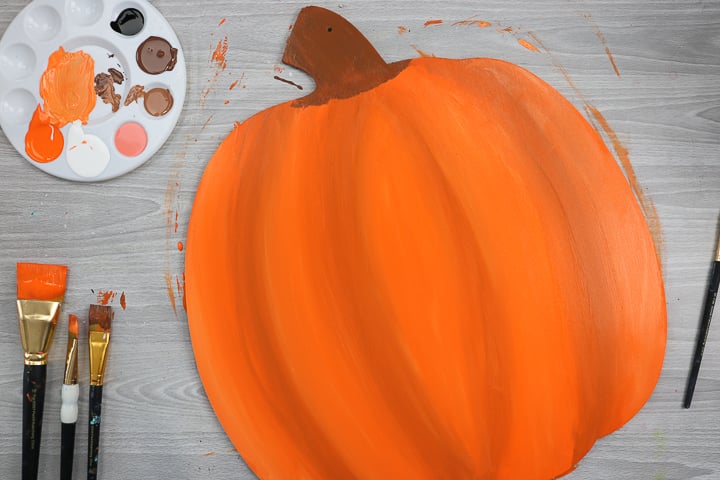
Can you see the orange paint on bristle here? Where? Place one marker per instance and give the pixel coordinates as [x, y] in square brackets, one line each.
[73, 324]
[37, 281]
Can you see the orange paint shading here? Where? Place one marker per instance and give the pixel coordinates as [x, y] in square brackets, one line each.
[402, 29]
[44, 142]
[222, 21]
[528, 45]
[123, 301]
[180, 246]
[432, 22]
[381, 235]
[219, 54]
[68, 87]
[477, 23]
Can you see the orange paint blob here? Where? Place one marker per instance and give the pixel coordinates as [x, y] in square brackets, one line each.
[433, 22]
[528, 45]
[44, 142]
[123, 301]
[222, 21]
[180, 246]
[68, 87]
[449, 245]
[233, 84]
[218, 55]
[38, 281]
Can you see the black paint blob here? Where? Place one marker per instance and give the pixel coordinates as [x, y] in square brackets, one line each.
[129, 22]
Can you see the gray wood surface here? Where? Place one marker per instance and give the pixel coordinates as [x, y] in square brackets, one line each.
[120, 235]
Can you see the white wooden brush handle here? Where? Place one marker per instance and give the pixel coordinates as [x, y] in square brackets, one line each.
[69, 408]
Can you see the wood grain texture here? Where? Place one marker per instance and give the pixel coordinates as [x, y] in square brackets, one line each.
[120, 235]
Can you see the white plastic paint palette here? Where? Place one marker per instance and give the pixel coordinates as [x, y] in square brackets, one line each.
[130, 135]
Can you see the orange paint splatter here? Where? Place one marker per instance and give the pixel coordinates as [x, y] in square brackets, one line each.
[433, 22]
[421, 52]
[123, 301]
[233, 84]
[177, 215]
[220, 52]
[206, 123]
[477, 23]
[278, 69]
[104, 297]
[184, 290]
[528, 45]
[44, 142]
[180, 246]
[222, 21]
[226, 102]
[170, 291]
[67, 86]
[402, 29]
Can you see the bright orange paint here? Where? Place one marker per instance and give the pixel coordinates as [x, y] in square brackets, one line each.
[123, 301]
[528, 45]
[180, 246]
[38, 281]
[443, 275]
[104, 297]
[44, 142]
[68, 87]
[218, 55]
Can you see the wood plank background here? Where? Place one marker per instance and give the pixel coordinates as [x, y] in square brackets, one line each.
[120, 235]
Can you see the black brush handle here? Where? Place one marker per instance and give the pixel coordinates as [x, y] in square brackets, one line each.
[94, 431]
[710, 297]
[33, 404]
[67, 450]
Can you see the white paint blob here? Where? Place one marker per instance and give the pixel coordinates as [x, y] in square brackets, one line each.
[87, 155]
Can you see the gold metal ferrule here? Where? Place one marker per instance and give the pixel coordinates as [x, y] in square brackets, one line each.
[37, 320]
[717, 254]
[71, 361]
[98, 342]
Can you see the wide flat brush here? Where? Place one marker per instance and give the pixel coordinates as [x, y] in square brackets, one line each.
[40, 291]
[69, 408]
[100, 318]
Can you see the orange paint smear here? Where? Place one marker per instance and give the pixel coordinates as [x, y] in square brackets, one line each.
[219, 54]
[404, 297]
[104, 297]
[402, 30]
[73, 324]
[477, 23]
[37, 281]
[222, 21]
[123, 301]
[528, 45]
[601, 37]
[433, 22]
[177, 216]
[184, 293]
[422, 53]
[233, 84]
[68, 87]
[44, 142]
[170, 291]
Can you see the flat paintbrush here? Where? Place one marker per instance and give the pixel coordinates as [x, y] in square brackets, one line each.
[40, 291]
[69, 407]
[710, 297]
[100, 318]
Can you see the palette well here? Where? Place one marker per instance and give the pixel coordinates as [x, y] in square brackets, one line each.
[90, 89]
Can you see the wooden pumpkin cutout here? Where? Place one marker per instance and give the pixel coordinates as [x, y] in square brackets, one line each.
[430, 269]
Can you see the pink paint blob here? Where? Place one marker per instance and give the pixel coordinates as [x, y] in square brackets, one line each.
[131, 139]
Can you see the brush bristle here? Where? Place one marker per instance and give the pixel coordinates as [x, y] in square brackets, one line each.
[100, 318]
[73, 325]
[37, 281]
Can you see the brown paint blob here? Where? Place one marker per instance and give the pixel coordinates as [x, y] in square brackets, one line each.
[105, 89]
[117, 75]
[158, 101]
[155, 55]
[136, 92]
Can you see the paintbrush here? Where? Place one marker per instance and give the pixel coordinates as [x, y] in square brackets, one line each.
[100, 318]
[69, 408]
[710, 296]
[40, 291]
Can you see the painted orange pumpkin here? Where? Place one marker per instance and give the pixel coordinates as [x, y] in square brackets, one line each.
[427, 269]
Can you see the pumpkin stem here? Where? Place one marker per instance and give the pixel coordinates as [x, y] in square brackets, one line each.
[336, 55]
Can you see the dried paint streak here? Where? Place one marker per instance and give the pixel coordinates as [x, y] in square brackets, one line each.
[209, 454]
[647, 205]
[123, 301]
[184, 293]
[206, 123]
[528, 45]
[222, 21]
[601, 37]
[477, 23]
[433, 22]
[170, 291]
[219, 54]
[289, 82]
[402, 29]
[233, 84]
[422, 53]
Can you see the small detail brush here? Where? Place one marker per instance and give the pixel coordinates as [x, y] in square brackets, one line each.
[710, 296]
[40, 291]
[69, 408]
[100, 318]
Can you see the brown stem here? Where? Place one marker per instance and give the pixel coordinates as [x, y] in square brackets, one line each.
[336, 55]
